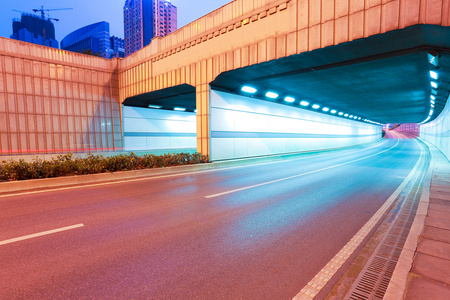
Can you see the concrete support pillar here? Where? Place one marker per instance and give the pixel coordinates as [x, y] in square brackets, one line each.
[203, 137]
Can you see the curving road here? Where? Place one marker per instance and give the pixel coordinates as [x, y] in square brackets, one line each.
[260, 231]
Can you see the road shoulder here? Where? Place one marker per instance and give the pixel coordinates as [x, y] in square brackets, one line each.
[424, 263]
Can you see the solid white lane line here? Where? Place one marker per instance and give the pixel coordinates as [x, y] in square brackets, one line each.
[324, 276]
[155, 177]
[298, 175]
[30, 236]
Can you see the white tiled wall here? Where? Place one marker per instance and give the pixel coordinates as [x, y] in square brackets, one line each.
[153, 129]
[438, 131]
[245, 127]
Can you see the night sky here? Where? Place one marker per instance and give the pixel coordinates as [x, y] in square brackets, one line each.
[86, 12]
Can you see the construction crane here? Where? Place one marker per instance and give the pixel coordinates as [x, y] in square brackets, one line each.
[42, 11]
[23, 12]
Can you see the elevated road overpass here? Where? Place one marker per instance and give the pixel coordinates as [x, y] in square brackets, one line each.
[325, 74]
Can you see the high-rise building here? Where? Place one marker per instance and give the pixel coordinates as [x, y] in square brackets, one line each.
[165, 18]
[146, 19]
[34, 29]
[94, 37]
[117, 46]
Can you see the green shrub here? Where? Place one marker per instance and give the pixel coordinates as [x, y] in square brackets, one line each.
[68, 165]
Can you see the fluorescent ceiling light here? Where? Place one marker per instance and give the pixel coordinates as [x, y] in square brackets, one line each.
[432, 105]
[340, 113]
[325, 109]
[304, 103]
[434, 92]
[271, 95]
[434, 74]
[248, 89]
[434, 84]
[433, 97]
[351, 116]
[333, 111]
[425, 120]
[432, 102]
[289, 99]
[433, 58]
[315, 106]
[179, 108]
[154, 106]
[195, 110]
[346, 115]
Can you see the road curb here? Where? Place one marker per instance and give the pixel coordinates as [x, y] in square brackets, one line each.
[33, 184]
[26, 185]
[398, 284]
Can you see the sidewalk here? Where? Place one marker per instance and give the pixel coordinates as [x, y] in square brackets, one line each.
[429, 277]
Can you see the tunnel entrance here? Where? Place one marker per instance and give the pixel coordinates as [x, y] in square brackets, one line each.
[386, 78]
[163, 120]
[331, 97]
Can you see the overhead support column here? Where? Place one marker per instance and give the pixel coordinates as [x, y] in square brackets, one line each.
[203, 119]
[205, 72]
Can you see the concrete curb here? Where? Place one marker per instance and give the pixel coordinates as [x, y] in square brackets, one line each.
[33, 184]
[397, 286]
[26, 185]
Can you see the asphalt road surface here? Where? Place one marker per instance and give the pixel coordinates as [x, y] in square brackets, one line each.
[252, 232]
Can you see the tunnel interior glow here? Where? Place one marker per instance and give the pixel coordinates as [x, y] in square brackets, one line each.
[151, 129]
[161, 120]
[243, 126]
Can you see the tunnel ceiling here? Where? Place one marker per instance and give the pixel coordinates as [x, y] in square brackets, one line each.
[384, 78]
[182, 96]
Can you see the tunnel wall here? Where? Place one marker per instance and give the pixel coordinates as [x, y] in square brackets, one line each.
[245, 127]
[437, 132]
[153, 129]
